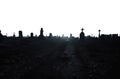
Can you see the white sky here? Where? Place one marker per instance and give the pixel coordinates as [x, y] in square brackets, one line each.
[60, 16]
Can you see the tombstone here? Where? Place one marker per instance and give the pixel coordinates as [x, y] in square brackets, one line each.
[28, 36]
[99, 33]
[41, 32]
[1, 36]
[20, 34]
[105, 36]
[14, 35]
[50, 35]
[31, 34]
[36, 35]
[71, 36]
[82, 35]
[114, 35]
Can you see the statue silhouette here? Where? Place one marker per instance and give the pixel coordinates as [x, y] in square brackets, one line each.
[82, 35]
[41, 33]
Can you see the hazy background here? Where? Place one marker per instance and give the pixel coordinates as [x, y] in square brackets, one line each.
[60, 16]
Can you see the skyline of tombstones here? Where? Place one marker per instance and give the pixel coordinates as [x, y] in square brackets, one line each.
[81, 34]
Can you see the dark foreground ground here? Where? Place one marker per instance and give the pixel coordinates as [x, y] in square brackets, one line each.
[57, 58]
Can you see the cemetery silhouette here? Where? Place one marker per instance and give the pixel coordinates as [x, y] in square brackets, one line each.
[55, 57]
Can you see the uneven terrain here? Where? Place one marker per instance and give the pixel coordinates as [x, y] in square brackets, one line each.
[57, 58]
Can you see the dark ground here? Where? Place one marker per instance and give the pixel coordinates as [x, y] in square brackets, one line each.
[57, 58]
